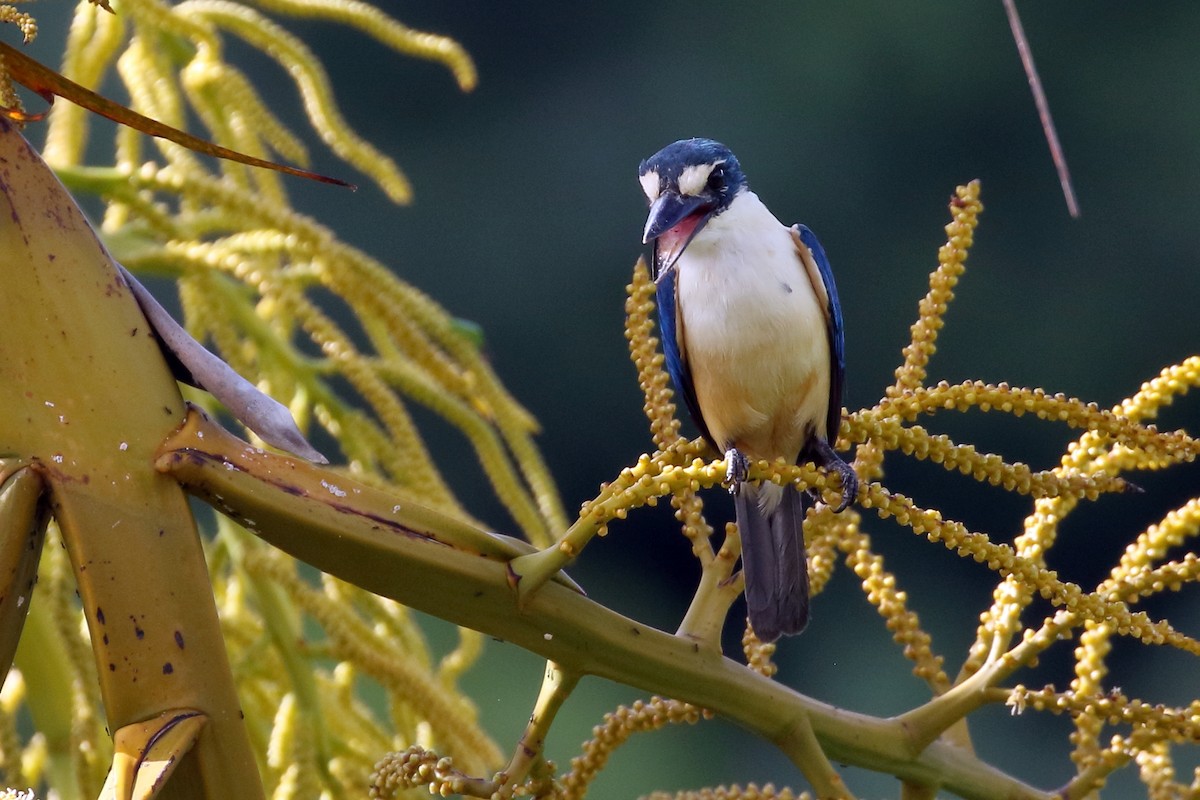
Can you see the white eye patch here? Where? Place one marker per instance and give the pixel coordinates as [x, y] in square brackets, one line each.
[694, 178]
[650, 185]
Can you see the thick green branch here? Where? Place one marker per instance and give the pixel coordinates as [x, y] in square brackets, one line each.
[361, 535]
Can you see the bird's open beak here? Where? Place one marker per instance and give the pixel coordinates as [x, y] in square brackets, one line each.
[673, 222]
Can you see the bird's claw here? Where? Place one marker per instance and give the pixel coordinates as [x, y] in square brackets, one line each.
[736, 470]
[828, 458]
[849, 483]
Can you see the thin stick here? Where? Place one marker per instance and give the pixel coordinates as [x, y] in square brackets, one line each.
[1043, 108]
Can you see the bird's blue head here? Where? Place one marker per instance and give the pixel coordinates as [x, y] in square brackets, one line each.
[687, 183]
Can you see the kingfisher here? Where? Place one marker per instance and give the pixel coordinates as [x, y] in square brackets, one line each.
[752, 334]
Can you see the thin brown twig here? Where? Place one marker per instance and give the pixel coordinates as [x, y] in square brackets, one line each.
[1043, 107]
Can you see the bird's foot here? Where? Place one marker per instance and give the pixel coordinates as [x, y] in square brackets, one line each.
[828, 458]
[736, 470]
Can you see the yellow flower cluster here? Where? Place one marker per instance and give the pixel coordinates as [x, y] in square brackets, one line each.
[1114, 708]
[879, 585]
[750, 791]
[916, 441]
[262, 283]
[758, 654]
[659, 405]
[9, 99]
[615, 730]
[412, 768]
[26, 24]
[416, 690]
[960, 235]
[648, 360]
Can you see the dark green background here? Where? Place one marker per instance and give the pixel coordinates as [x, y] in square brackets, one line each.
[858, 119]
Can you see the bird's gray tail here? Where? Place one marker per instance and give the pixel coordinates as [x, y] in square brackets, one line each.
[770, 519]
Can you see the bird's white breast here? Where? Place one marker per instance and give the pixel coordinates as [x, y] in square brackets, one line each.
[753, 333]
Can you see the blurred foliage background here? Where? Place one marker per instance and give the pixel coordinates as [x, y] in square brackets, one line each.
[857, 119]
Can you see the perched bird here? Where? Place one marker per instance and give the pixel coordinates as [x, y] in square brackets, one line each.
[752, 333]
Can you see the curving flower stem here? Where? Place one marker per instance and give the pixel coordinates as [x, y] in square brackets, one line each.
[715, 593]
[801, 744]
[557, 685]
[928, 722]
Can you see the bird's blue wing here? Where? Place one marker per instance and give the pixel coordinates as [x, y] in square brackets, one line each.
[677, 367]
[833, 320]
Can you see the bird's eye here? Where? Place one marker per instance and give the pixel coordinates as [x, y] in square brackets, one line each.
[716, 179]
